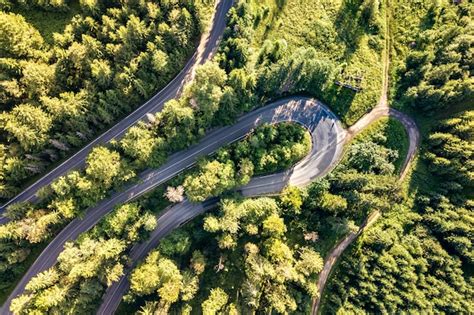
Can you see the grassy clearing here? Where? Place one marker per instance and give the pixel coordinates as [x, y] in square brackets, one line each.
[334, 29]
[48, 22]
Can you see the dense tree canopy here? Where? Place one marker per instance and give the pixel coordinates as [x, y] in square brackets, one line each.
[266, 253]
[109, 59]
[448, 209]
[87, 266]
[399, 266]
[438, 71]
[268, 149]
[18, 38]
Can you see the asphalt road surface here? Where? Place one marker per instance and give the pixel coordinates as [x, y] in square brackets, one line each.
[328, 137]
[204, 52]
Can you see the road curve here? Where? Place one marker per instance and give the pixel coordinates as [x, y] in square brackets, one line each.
[414, 141]
[207, 47]
[328, 137]
[381, 109]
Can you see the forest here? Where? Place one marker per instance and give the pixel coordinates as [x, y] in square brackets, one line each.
[266, 253]
[87, 266]
[61, 87]
[56, 96]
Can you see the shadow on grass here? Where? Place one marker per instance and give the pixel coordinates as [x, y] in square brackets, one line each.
[348, 26]
[276, 14]
[340, 100]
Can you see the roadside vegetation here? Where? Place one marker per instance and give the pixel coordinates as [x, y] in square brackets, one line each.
[268, 150]
[58, 91]
[432, 55]
[57, 97]
[109, 58]
[307, 47]
[428, 239]
[88, 265]
[46, 19]
[349, 35]
[386, 137]
[264, 254]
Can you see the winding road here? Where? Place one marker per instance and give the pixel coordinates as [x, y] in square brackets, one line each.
[204, 52]
[328, 139]
[382, 109]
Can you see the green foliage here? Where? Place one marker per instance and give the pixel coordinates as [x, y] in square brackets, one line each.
[128, 223]
[99, 67]
[293, 46]
[73, 193]
[215, 302]
[450, 153]
[354, 193]
[103, 165]
[437, 71]
[17, 37]
[140, 145]
[415, 258]
[177, 243]
[206, 91]
[160, 276]
[28, 125]
[273, 148]
[447, 210]
[398, 266]
[87, 266]
[258, 267]
[372, 158]
[388, 133]
[154, 274]
[47, 19]
[76, 282]
[291, 199]
[303, 71]
[269, 148]
[213, 179]
[255, 229]
[53, 5]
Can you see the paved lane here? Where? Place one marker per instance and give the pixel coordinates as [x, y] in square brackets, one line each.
[328, 139]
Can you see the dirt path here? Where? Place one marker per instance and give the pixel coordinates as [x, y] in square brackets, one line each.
[414, 138]
[382, 109]
[335, 254]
